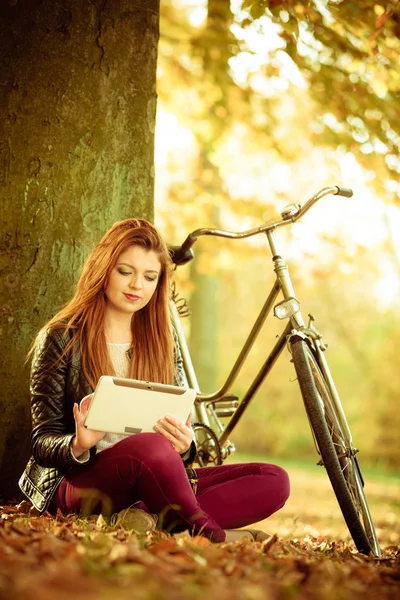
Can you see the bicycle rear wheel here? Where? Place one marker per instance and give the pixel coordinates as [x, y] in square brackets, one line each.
[337, 453]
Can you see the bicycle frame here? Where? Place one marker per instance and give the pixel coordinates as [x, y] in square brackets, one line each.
[329, 427]
[205, 405]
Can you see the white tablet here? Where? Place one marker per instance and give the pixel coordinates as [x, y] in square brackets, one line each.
[130, 406]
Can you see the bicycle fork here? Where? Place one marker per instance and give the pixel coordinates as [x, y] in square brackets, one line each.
[290, 307]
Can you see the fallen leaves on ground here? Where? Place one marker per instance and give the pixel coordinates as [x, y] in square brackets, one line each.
[42, 557]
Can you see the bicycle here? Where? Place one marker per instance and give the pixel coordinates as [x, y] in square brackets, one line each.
[329, 427]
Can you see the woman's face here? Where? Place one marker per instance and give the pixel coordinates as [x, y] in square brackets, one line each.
[133, 280]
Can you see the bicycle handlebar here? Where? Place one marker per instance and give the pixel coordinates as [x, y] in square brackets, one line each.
[341, 191]
[184, 253]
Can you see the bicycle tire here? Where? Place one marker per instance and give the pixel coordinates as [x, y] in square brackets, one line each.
[338, 455]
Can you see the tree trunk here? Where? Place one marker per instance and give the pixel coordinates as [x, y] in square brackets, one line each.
[77, 117]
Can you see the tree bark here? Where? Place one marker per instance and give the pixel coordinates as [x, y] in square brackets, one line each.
[77, 118]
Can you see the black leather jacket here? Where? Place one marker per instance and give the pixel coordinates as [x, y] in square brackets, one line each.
[54, 388]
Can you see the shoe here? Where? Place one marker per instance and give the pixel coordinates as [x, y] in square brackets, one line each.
[134, 518]
[255, 535]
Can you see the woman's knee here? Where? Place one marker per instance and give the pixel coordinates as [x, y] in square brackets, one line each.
[278, 479]
[283, 483]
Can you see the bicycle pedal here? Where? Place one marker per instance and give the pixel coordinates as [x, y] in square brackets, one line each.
[225, 412]
[219, 405]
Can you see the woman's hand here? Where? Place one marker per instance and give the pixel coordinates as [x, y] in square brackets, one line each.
[179, 434]
[84, 438]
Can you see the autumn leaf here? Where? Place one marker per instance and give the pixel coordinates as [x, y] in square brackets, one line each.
[381, 20]
[43, 557]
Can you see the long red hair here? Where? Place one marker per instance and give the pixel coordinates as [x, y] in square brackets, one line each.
[153, 344]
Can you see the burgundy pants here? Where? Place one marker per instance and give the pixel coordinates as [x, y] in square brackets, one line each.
[145, 468]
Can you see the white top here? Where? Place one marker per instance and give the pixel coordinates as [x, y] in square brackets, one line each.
[120, 362]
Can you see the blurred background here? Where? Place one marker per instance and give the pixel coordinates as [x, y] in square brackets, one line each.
[260, 107]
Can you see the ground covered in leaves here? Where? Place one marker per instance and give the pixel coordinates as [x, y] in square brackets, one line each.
[310, 556]
[42, 557]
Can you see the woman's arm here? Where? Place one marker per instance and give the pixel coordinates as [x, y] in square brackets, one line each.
[53, 425]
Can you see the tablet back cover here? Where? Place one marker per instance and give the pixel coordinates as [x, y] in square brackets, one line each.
[131, 406]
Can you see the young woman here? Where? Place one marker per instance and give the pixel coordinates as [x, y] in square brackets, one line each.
[118, 323]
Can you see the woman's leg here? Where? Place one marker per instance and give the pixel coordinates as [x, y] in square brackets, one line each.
[141, 467]
[240, 494]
